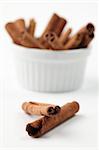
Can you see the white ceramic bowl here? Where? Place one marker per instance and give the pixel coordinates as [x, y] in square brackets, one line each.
[50, 71]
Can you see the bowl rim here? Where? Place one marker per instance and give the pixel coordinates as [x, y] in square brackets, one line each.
[48, 55]
[36, 50]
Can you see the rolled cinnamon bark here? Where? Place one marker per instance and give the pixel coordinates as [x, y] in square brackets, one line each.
[22, 37]
[83, 37]
[88, 29]
[30, 42]
[45, 39]
[13, 32]
[56, 24]
[20, 24]
[55, 43]
[44, 124]
[60, 25]
[45, 43]
[74, 41]
[64, 37]
[34, 108]
[53, 40]
[86, 40]
[31, 28]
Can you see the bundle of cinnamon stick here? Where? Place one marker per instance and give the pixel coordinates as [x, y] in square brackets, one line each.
[53, 37]
[53, 116]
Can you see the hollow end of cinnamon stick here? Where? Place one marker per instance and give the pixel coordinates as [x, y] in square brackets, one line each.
[76, 106]
[53, 40]
[45, 39]
[53, 110]
[90, 27]
[50, 111]
[57, 109]
[32, 130]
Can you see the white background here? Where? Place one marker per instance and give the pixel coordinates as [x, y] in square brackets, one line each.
[80, 131]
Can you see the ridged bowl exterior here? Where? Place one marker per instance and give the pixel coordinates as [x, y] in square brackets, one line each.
[50, 71]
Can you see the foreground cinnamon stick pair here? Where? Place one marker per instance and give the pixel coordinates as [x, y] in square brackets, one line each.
[53, 37]
[53, 116]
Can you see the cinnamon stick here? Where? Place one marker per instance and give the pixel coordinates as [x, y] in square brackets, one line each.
[44, 124]
[88, 35]
[74, 41]
[21, 36]
[45, 43]
[13, 32]
[52, 37]
[34, 108]
[53, 40]
[65, 36]
[56, 24]
[60, 25]
[89, 29]
[31, 28]
[28, 41]
[20, 24]
[86, 40]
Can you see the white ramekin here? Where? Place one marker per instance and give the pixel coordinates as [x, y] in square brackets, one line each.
[50, 71]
